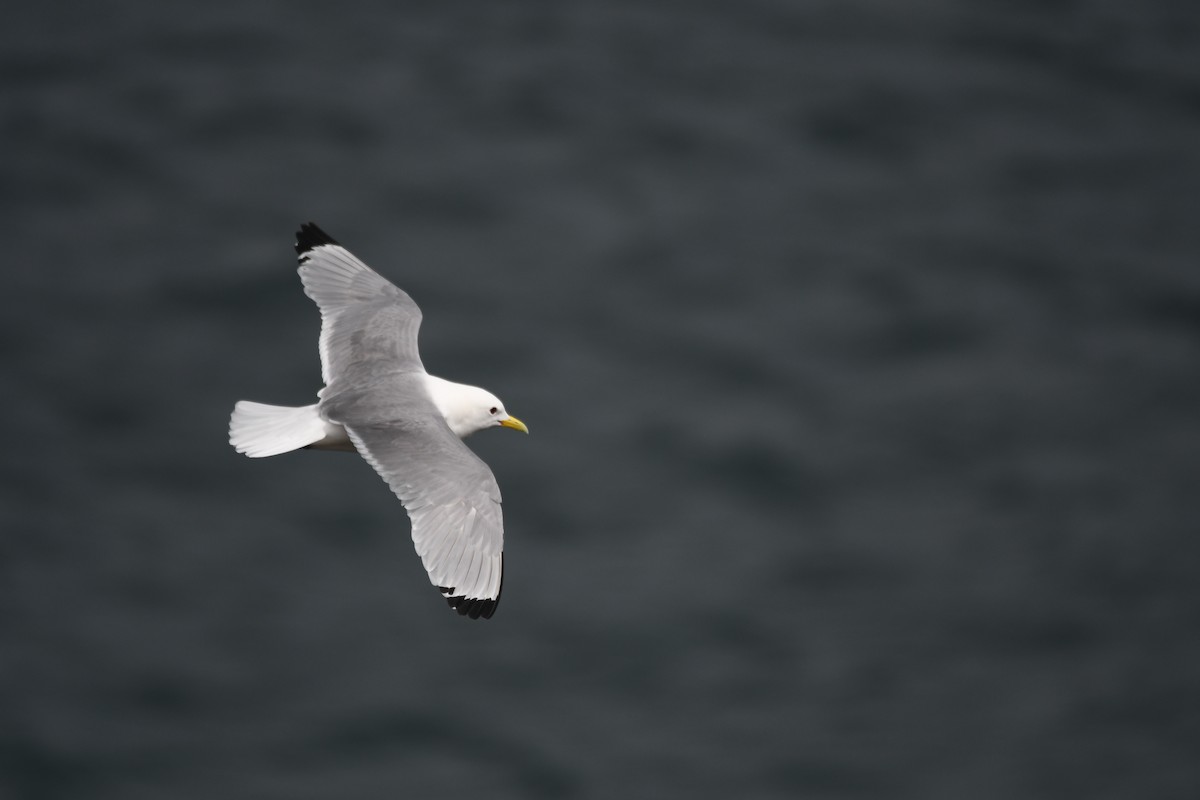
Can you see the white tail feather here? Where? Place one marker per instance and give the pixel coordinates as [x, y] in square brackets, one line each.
[260, 430]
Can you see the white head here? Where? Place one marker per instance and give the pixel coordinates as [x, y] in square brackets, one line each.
[468, 408]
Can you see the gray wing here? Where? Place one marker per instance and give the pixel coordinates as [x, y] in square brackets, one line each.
[451, 496]
[366, 322]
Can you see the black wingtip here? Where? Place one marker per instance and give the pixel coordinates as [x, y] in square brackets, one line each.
[473, 607]
[310, 236]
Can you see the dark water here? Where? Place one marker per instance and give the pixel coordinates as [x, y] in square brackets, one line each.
[860, 344]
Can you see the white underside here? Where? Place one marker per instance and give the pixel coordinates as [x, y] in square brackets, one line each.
[261, 430]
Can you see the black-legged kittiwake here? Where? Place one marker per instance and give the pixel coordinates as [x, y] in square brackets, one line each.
[409, 425]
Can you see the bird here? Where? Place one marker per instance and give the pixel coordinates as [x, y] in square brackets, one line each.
[379, 401]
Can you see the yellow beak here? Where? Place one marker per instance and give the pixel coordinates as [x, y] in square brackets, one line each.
[515, 424]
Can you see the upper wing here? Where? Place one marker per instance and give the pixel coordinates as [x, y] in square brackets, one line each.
[450, 494]
[365, 320]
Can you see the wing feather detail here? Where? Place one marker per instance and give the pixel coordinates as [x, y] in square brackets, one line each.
[367, 323]
[450, 494]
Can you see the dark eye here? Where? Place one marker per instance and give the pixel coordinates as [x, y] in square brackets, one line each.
[494, 410]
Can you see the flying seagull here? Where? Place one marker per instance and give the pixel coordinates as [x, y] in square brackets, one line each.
[409, 425]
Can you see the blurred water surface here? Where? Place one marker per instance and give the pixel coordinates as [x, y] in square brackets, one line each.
[858, 344]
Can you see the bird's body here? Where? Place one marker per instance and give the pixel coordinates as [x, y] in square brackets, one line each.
[379, 400]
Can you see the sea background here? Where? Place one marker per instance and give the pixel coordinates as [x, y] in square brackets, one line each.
[859, 344]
